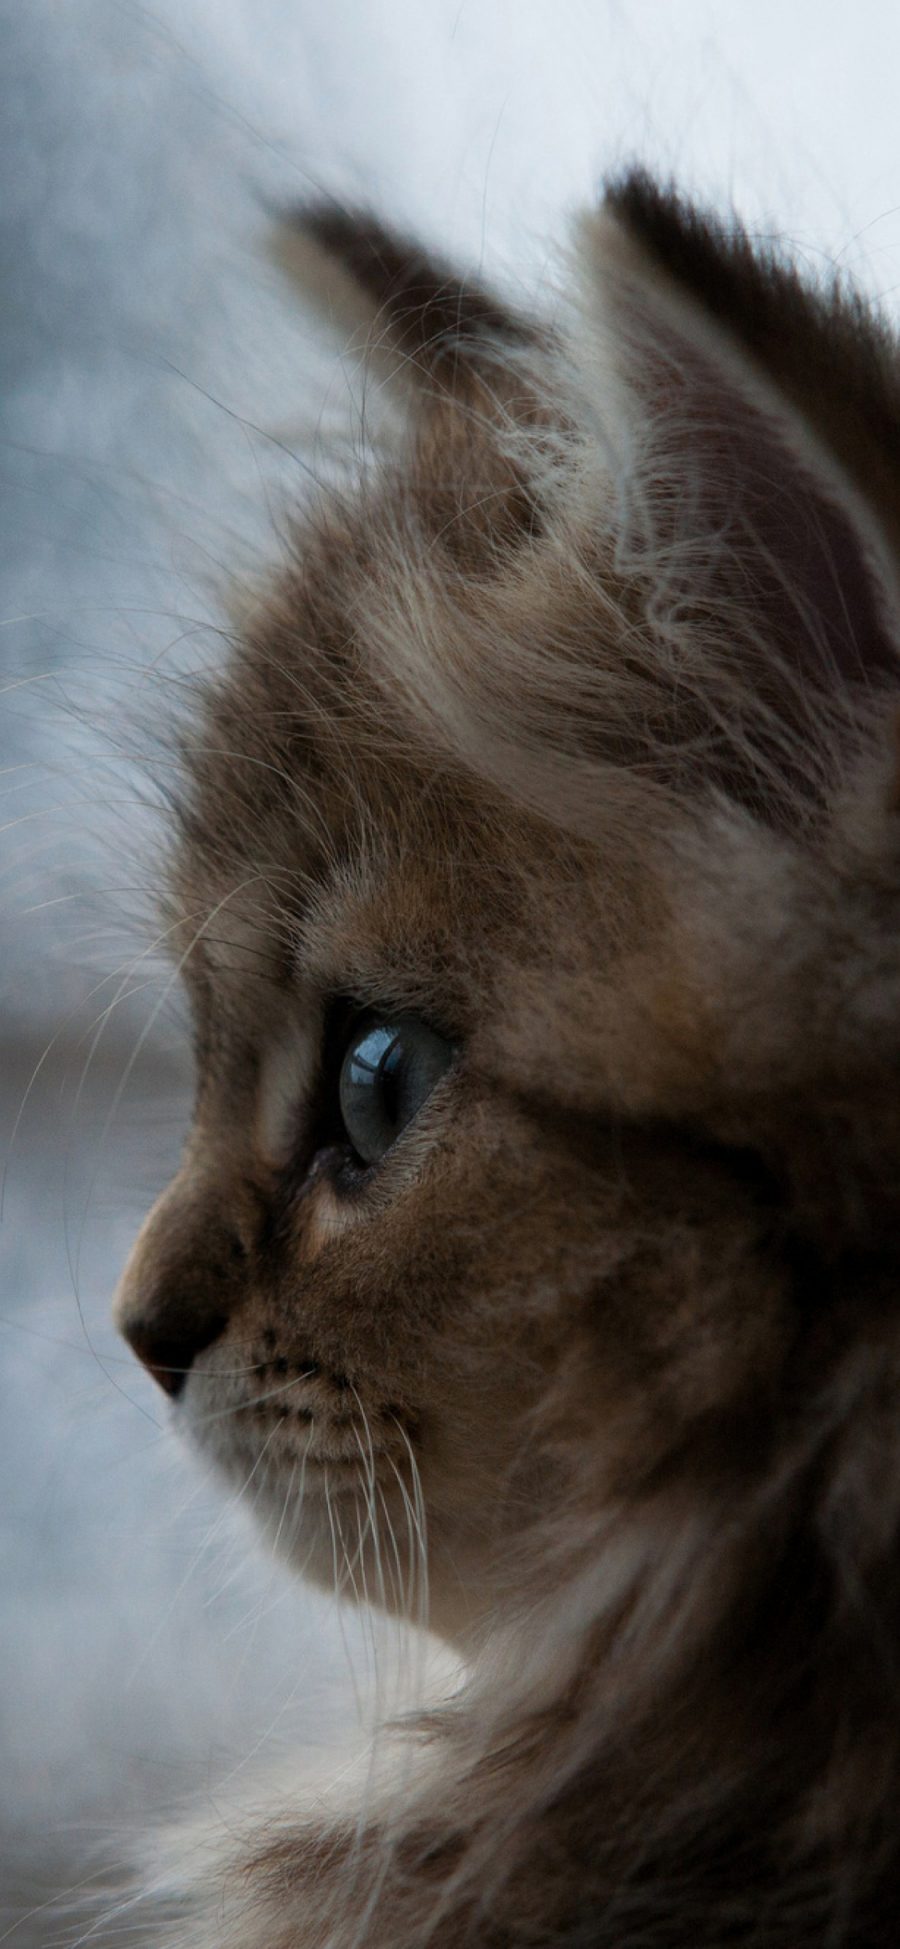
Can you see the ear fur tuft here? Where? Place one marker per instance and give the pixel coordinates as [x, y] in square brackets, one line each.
[415, 303]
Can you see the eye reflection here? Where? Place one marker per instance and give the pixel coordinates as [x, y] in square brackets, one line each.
[389, 1070]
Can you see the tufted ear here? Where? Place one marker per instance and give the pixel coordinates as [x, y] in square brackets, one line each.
[407, 304]
[753, 428]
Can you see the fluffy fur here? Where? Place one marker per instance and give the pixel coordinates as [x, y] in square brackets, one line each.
[572, 729]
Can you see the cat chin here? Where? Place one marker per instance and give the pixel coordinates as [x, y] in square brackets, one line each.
[318, 1520]
[336, 1523]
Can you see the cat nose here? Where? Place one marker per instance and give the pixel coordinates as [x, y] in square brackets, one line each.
[179, 1286]
[169, 1356]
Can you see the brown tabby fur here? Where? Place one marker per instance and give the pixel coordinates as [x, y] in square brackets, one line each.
[573, 729]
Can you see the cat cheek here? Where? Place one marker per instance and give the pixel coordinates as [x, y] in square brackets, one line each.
[326, 1218]
[287, 1079]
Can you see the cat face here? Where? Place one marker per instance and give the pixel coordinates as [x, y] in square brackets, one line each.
[535, 892]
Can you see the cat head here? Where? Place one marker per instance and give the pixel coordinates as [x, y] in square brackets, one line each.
[536, 889]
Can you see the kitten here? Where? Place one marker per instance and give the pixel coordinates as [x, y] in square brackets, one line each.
[537, 888]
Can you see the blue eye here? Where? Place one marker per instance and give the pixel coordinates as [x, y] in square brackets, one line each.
[390, 1067]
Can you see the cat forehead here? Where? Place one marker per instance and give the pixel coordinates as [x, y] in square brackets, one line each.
[395, 703]
[409, 909]
[323, 777]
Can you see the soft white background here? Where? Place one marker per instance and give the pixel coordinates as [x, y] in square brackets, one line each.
[156, 381]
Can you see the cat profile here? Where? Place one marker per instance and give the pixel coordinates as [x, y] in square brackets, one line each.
[536, 884]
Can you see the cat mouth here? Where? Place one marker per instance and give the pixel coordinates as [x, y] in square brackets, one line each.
[336, 1447]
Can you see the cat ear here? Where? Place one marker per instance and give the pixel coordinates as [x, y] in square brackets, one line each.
[403, 301]
[752, 429]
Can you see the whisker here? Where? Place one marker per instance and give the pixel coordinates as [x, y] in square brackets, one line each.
[338, 1586]
[215, 1529]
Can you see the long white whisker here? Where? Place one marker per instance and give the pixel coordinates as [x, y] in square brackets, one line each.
[199, 1554]
[338, 1586]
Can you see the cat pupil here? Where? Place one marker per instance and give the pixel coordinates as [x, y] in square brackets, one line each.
[388, 1071]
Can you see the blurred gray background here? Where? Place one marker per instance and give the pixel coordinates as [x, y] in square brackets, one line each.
[163, 402]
